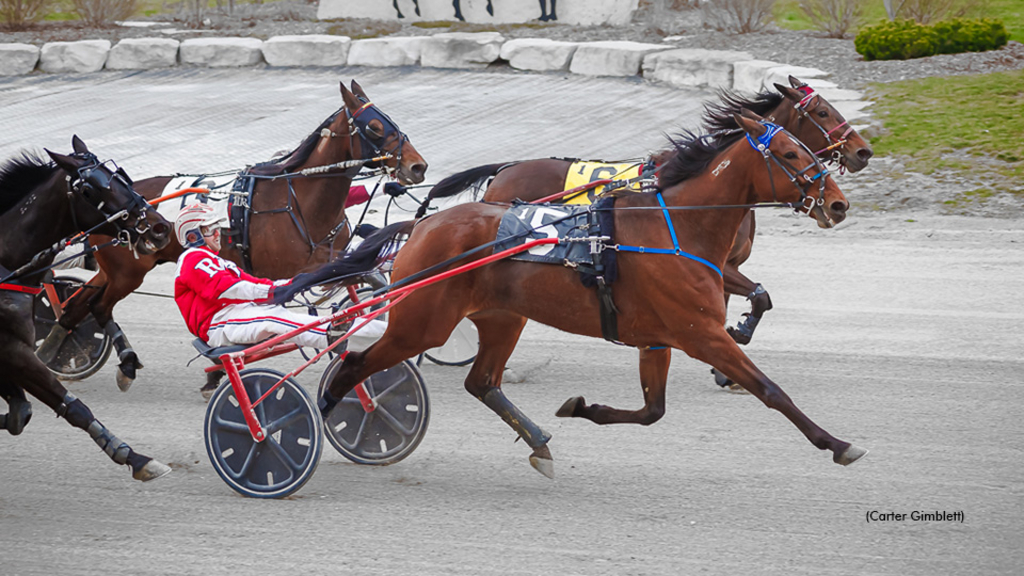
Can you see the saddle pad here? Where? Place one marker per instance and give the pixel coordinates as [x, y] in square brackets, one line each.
[218, 198]
[533, 222]
[581, 173]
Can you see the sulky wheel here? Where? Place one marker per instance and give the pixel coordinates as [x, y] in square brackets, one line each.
[386, 425]
[461, 347]
[86, 348]
[283, 462]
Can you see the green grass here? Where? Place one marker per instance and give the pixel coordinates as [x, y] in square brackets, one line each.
[967, 124]
[788, 15]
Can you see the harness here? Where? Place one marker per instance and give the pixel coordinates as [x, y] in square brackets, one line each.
[89, 177]
[240, 209]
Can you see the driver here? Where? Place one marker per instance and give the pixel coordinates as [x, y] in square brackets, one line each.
[222, 304]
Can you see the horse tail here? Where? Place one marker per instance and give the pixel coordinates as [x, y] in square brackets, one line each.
[458, 183]
[351, 267]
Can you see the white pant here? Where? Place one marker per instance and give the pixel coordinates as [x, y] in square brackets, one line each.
[249, 323]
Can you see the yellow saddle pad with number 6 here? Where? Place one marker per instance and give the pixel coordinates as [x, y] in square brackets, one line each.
[581, 173]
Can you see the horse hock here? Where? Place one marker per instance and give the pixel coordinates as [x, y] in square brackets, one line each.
[128, 360]
[20, 412]
[532, 434]
[78, 415]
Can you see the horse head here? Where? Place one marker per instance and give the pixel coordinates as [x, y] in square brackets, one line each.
[794, 174]
[102, 192]
[379, 136]
[824, 129]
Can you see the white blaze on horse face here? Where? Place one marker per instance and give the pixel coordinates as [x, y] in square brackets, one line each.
[720, 167]
[549, 231]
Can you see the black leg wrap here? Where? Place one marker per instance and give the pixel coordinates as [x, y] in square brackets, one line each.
[78, 415]
[18, 416]
[125, 355]
[533, 435]
[326, 403]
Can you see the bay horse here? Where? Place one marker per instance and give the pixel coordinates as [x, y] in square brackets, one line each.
[297, 221]
[801, 111]
[42, 203]
[663, 301]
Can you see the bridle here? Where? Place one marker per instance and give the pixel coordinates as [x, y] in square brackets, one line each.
[763, 145]
[95, 176]
[835, 142]
[359, 122]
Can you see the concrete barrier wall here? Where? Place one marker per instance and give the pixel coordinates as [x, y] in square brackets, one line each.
[682, 67]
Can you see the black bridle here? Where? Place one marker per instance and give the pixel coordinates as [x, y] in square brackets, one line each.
[359, 123]
[96, 176]
[763, 145]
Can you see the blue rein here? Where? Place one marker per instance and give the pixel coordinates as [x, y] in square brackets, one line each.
[676, 250]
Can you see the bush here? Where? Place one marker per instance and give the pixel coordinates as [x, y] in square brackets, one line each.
[898, 40]
[833, 17]
[17, 14]
[740, 16]
[970, 35]
[103, 12]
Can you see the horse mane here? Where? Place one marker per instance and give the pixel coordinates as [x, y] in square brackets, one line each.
[20, 175]
[693, 154]
[291, 161]
[718, 117]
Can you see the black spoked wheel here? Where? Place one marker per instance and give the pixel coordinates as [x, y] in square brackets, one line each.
[286, 459]
[393, 426]
[461, 347]
[86, 348]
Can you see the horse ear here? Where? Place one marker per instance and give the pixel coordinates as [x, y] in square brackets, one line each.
[796, 82]
[790, 93]
[69, 164]
[750, 122]
[78, 145]
[350, 99]
[358, 90]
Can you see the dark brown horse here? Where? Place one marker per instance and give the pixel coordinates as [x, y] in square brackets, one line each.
[297, 221]
[663, 301]
[804, 114]
[40, 204]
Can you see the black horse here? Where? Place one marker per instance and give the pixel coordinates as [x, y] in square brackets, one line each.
[41, 204]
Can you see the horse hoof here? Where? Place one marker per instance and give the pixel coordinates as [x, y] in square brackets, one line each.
[207, 391]
[542, 462]
[151, 471]
[47, 351]
[124, 381]
[568, 409]
[17, 419]
[850, 455]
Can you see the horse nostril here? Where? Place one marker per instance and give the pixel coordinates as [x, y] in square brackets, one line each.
[838, 207]
[161, 229]
[865, 154]
[419, 169]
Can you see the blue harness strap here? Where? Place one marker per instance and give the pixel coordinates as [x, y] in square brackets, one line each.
[676, 250]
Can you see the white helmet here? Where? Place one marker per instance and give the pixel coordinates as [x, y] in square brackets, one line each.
[194, 216]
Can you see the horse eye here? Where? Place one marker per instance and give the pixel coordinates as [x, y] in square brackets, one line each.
[791, 155]
[823, 113]
[375, 129]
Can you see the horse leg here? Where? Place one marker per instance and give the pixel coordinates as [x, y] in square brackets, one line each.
[128, 360]
[499, 333]
[39, 382]
[212, 383]
[736, 283]
[717, 348]
[19, 409]
[654, 363]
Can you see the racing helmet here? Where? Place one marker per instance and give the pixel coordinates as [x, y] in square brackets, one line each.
[192, 218]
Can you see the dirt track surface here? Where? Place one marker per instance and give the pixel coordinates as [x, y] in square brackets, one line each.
[901, 337]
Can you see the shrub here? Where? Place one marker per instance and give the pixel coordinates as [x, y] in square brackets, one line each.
[898, 40]
[17, 14]
[833, 17]
[740, 16]
[101, 12]
[970, 35]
